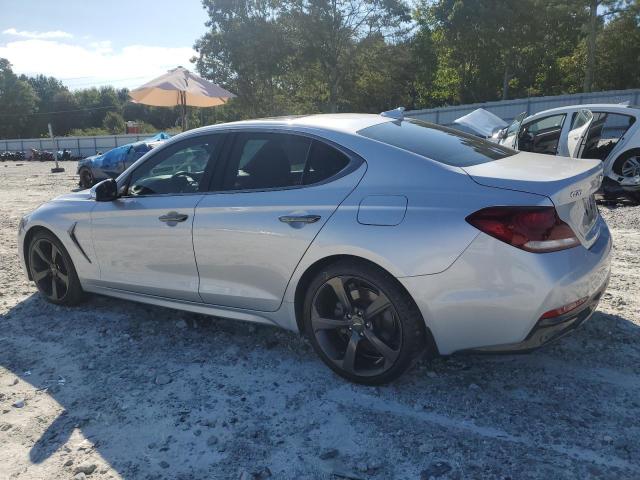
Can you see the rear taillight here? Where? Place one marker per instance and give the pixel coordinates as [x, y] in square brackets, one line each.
[534, 229]
[569, 307]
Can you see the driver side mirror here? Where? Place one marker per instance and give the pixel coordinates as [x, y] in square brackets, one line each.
[502, 134]
[106, 190]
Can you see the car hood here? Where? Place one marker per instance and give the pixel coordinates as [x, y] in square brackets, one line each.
[482, 122]
[74, 196]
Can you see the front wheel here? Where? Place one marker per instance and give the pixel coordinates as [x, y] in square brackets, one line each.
[362, 324]
[52, 270]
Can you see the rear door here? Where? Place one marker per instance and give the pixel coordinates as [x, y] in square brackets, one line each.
[578, 132]
[250, 232]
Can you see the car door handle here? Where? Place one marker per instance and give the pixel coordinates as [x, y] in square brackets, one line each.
[300, 218]
[173, 217]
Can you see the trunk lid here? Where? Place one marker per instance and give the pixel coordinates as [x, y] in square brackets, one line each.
[570, 184]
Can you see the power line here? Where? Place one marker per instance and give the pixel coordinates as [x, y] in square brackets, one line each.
[59, 111]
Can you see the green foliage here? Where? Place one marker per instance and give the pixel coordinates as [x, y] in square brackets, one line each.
[17, 101]
[308, 56]
[113, 123]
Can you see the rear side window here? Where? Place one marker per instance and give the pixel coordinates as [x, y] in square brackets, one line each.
[324, 162]
[263, 161]
[442, 144]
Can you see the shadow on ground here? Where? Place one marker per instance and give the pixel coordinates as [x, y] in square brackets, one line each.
[166, 394]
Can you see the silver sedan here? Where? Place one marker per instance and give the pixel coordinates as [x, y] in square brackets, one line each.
[381, 238]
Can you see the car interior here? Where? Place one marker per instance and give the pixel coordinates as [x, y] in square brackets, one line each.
[605, 132]
[180, 172]
[542, 135]
[273, 161]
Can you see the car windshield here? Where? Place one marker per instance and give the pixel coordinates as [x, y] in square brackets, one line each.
[442, 144]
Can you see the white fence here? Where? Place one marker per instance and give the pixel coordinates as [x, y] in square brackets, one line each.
[79, 146]
[509, 109]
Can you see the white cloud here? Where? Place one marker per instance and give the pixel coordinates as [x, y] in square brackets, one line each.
[28, 34]
[93, 63]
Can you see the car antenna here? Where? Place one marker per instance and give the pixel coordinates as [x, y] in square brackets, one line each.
[397, 113]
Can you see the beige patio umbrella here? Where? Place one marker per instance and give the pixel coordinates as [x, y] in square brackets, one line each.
[180, 87]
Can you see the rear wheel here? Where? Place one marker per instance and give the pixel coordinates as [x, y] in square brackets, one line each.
[628, 166]
[52, 270]
[362, 324]
[86, 178]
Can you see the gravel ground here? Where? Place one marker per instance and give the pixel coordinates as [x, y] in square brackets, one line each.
[114, 389]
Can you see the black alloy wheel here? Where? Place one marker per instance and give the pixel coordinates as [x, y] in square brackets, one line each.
[362, 324]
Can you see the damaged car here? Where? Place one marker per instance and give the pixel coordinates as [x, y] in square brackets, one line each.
[96, 168]
[606, 132]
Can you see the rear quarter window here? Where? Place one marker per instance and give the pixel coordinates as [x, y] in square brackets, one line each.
[442, 144]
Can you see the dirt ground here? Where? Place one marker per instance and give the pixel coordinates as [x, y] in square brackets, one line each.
[114, 389]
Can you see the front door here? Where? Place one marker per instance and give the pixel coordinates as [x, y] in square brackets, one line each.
[579, 129]
[250, 233]
[143, 239]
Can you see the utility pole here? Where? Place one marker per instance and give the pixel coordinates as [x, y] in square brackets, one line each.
[57, 168]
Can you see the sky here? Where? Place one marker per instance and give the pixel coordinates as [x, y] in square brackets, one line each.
[92, 43]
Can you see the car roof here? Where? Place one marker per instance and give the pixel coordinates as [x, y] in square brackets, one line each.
[609, 107]
[338, 122]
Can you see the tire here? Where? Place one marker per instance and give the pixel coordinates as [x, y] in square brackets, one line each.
[623, 168]
[52, 270]
[86, 178]
[620, 167]
[369, 331]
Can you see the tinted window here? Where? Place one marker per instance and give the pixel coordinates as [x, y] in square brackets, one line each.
[176, 169]
[267, 160]
[324, 162]
[436, 142]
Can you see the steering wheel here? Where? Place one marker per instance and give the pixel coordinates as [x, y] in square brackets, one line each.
[185, 179]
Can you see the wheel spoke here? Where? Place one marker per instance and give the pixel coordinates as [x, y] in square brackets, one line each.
[41, 254]
[349, 360]
[37, 276]
[63, 278]
[631, 167]
[387, 352]
[379, 305]
[54, 254]
[54, 287]
[338, 287]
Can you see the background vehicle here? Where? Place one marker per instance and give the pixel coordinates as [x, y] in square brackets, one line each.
[112, 163]
[606, 132]
[381, 238]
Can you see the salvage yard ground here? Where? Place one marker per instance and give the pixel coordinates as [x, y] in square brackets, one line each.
[114, 389]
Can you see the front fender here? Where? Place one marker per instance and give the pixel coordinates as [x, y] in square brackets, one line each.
[70, 222]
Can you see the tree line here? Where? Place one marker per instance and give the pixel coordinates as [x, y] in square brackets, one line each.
[307, 56]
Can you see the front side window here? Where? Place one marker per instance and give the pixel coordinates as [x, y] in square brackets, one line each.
[541, 135]
[442, 144]
[262, 161]
[177, 169]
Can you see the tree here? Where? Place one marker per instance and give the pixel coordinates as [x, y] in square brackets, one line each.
[596, 19]
[618, 67]
[246, 50]
[113, 123]
[17, 102]
[330, 33]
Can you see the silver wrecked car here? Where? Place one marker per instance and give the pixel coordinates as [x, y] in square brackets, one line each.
[380, 238]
